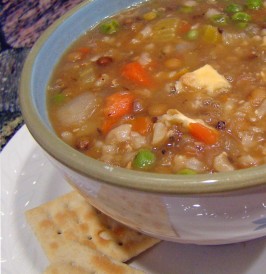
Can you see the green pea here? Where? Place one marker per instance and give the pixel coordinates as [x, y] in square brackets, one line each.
[233, 8]
[241, 17]
[192, 34]
[144, 159]
[187, 171]
[254, 4]
[109, 27]
[219, 19]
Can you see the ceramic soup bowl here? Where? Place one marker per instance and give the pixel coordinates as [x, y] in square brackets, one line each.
[201, 209]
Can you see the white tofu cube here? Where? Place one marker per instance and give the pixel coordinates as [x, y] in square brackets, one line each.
[206, 78]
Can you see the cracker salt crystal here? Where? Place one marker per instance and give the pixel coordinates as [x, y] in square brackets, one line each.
[71, 219]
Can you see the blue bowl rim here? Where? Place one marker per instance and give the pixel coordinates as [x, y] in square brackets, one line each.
[121, 177]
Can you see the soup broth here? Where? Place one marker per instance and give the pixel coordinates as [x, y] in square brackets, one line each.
[167, 86]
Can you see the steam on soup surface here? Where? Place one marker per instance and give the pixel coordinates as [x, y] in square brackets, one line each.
[168, 86]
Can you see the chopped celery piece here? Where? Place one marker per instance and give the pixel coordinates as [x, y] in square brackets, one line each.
[109, 27]
[87, 75]
[210, 34]
[165, 29]
[150, 15]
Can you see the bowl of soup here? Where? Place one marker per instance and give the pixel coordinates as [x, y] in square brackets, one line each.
[155, 111]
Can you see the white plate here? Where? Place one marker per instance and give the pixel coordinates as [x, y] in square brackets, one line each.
[28, 180]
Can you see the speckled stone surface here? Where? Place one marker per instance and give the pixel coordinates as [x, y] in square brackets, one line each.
[21, 24]
[24, 21]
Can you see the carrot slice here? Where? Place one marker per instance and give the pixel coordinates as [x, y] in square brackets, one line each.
[142, 125]
[136, 73]
[84, 50]
[116, 106]
[108, 124]
[202, 133]
[119, 104]
[183, 27]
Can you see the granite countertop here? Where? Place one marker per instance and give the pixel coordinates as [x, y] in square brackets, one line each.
[22, 22]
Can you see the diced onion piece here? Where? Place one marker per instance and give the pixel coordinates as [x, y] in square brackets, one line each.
[230, 37]
[261, 110]
[145, 59]
[194, 164]
[211, 12]
[190, 3]
[109, 149]
[146, 31]
[137, 140]
[183, 47]
[119, 134]
[247, 161]
[221, 163]
[159, 133]
[67, 137]
[77, 110]
[181, 162]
